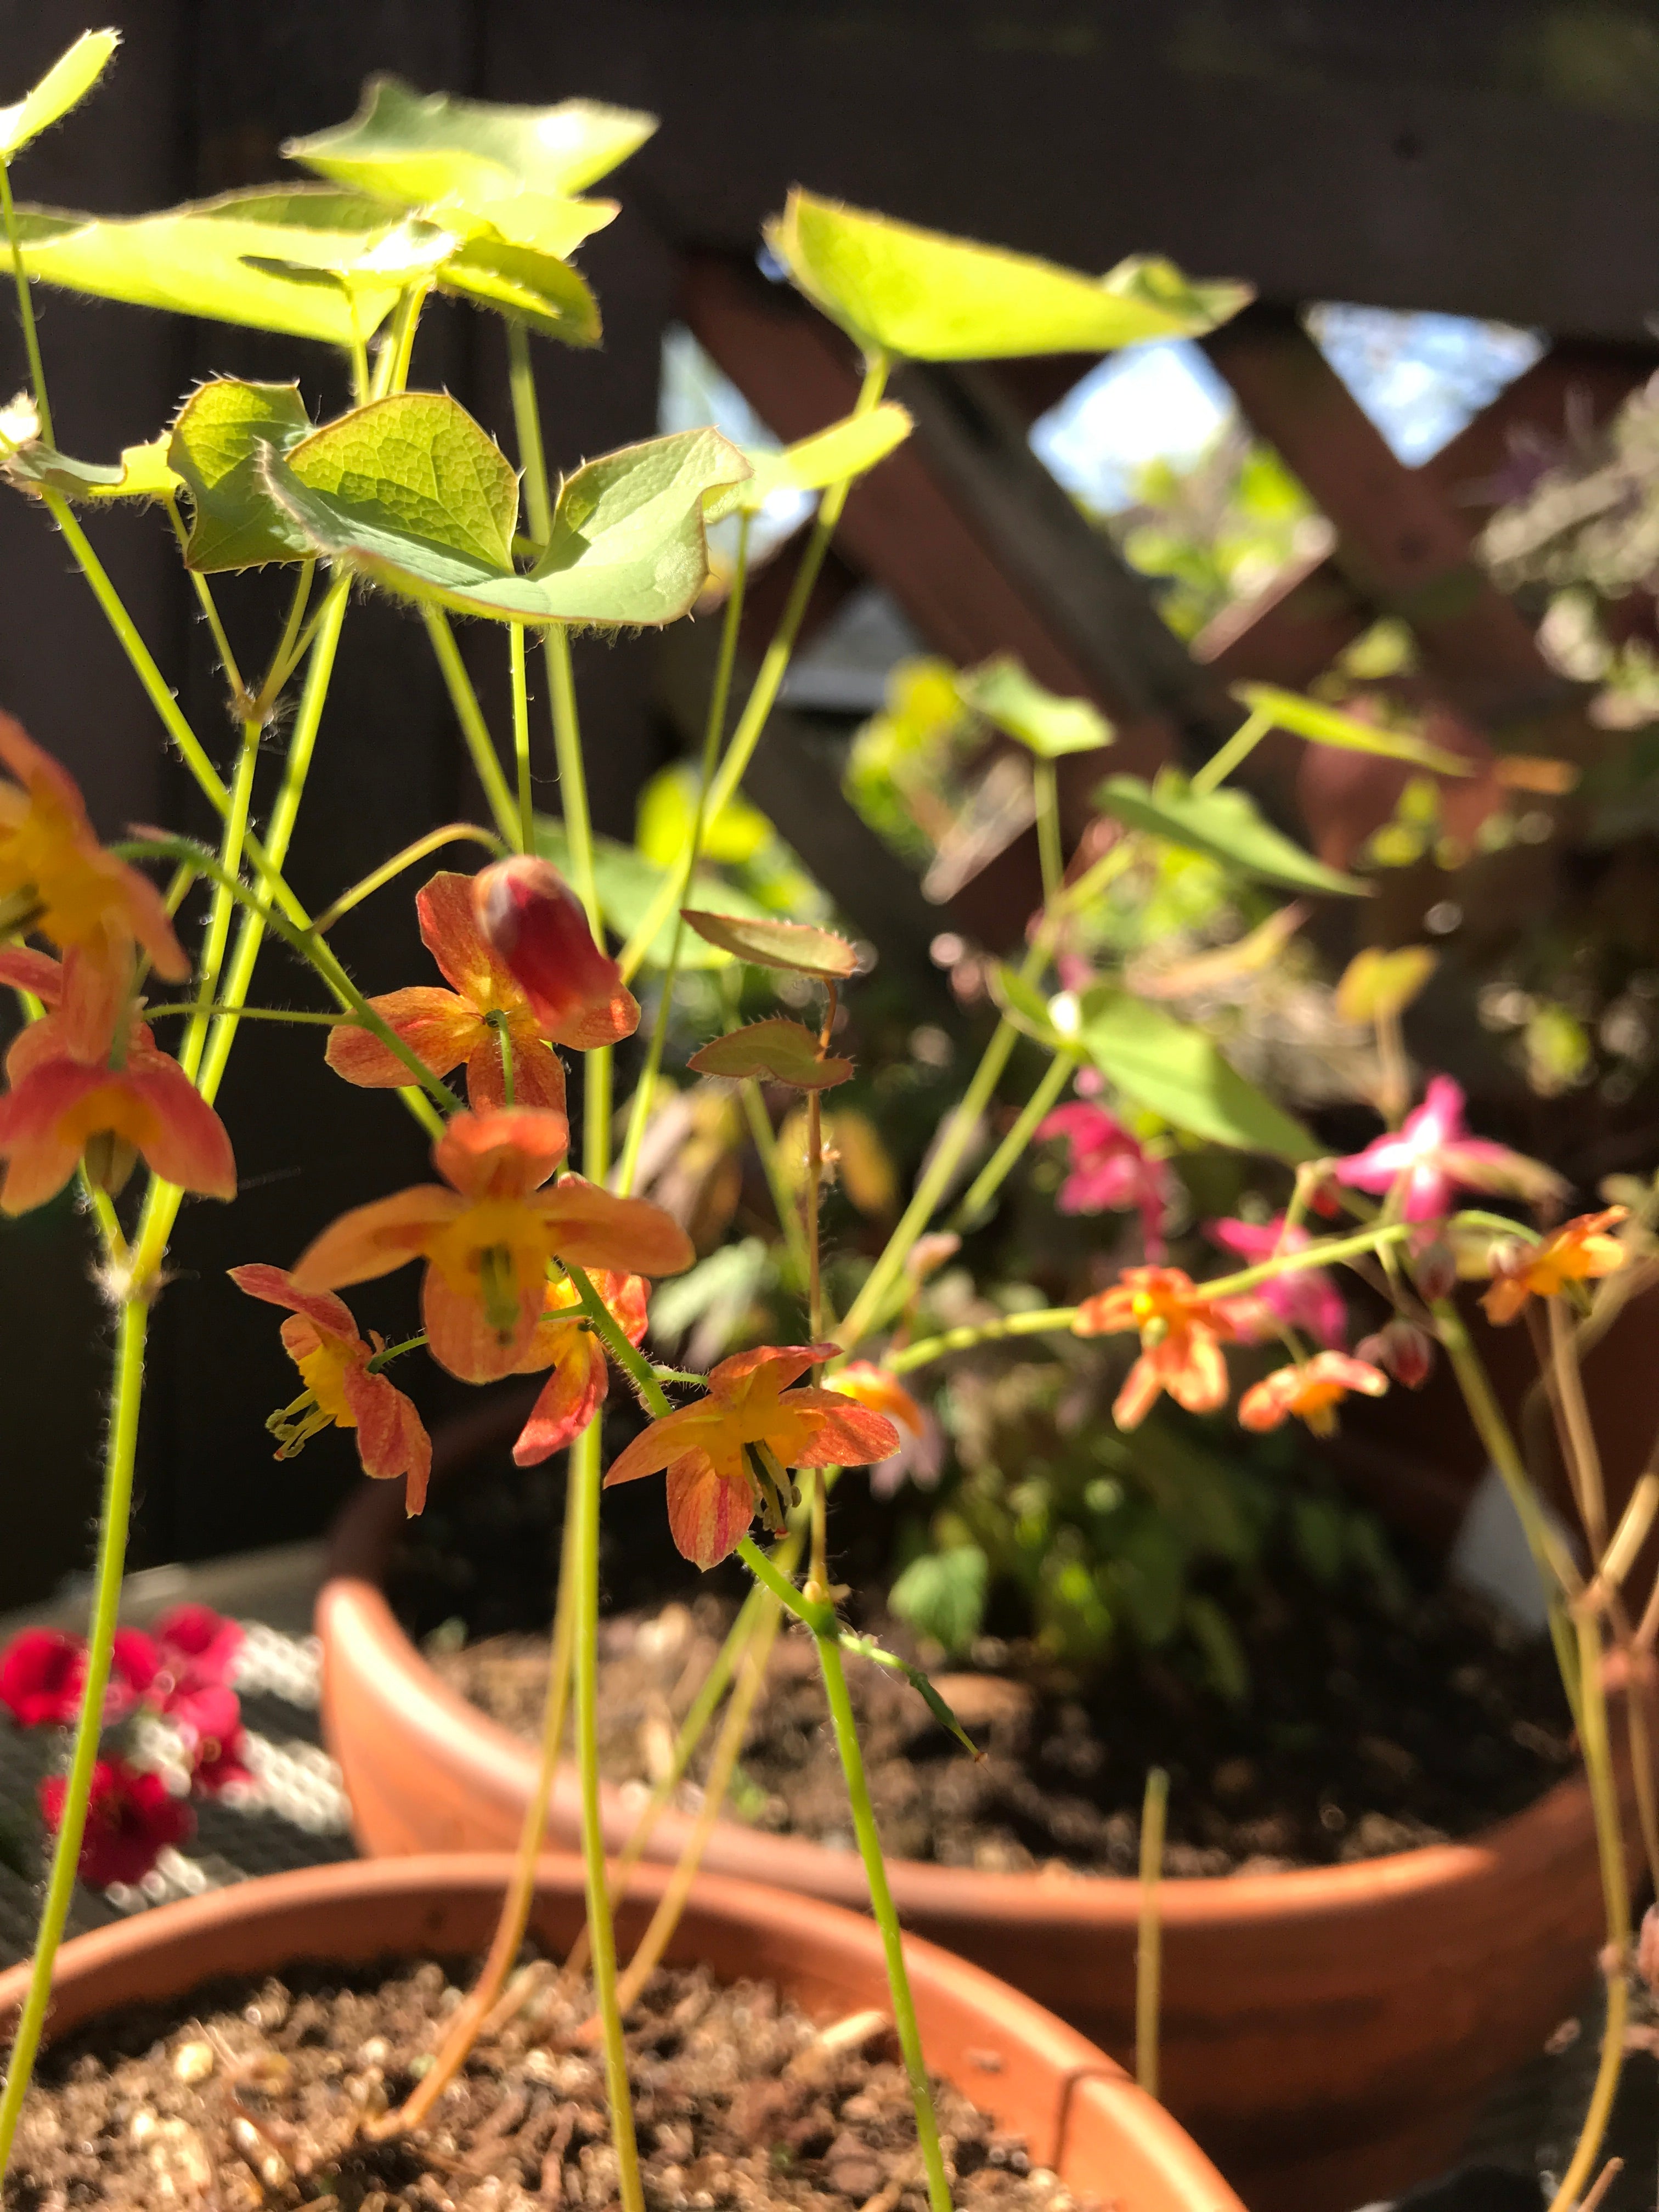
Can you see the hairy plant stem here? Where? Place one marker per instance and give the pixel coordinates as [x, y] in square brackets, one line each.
[452, 833]
[996, 1172]
[218, 929]
[516, 646]
[486, 764]
[26, 309]
[783, 1200]
[763, 696]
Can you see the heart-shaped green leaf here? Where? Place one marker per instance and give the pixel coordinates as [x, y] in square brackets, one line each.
[430, 513]
[1001, 692]
[1161, 1062]
[1324, 725]
[142, 472]
[217, 448]
[536, 288]
[227, 260]
[796, 945]
[1225, 824]
[416, 148]
[776, 1051]
[847, 448]
[65, 85]
[628, 883]
[497, 204]
[898, 289]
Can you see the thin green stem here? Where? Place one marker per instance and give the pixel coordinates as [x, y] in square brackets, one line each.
[585, 1476]
[241, 704]
[783, 1199]
[1556, 1569]
[1148, 1947]
[486, 762]
[1242, 742]
[713, 734]
[1037, 1323]
[762, 697]
[516, 646]
[573, 777]
[885, 1915]
[452, 833]
[992, 1176]
[231, 843]
[628, 1356]
[208, 1007]
[1050, 853]
[126, 1396]
[26, 311]
[397, 346]
[527, 428]
[285, 659]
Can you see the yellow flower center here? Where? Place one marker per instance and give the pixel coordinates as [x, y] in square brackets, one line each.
[490, 1253]
[323, 1371]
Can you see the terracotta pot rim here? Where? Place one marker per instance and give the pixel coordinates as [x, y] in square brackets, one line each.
[351, 1600]
[1077, 2089]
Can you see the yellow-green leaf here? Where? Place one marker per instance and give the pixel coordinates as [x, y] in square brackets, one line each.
[542, 222]
[919, 293]
[847, 448]
[777, 1051]
[65, 85]
[1376, 984]
[416, 148]
[794, 945]
[141, 473]
[1324, 725]
[227, 259]
[1161, 1062]
[1226, 826]
[536, 288]
[1000, 691]
[217, 448]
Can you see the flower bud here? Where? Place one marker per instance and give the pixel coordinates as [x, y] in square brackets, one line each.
[1402, 1350]
[531, 919]
[1434, 1270]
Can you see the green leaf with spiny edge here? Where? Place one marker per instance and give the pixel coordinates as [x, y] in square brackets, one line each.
[1225, 825]
[496, 205]
[1001, 692]
[218, 447]
[225, 259]
[535, 287]
[1324, 725]
[1159, 1062]
[921, 293]
[847, 448]
[628, 883]
[942, 1595]
[64, 86]
[775, 1051]
[141, 473]
[627, 546]
[796, 946]
[416, 148]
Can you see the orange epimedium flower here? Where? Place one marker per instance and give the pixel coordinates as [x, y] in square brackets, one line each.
[56, 878]
[1181, 1331]
[487, 1233]
[1579, 1251]
[342, 1391]
[564, 1343]
[483, 1017]
[1311, 1390]
[532, 920]
[731, 1451]
[882, 1392]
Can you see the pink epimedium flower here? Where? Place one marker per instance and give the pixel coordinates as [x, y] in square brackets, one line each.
[1109, 1171]
[1432, 1156]
[132, 1818]
[1305, 1298]
[43, 1675]
[322, 1339]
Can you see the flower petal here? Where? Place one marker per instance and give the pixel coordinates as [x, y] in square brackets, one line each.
[668, 1439]
[439, 1028]
[460, 1336]
[709, 1508]
[572, 1395]
[506, 1154]
[538, 1071]
[374, 1239]
[191, 1146]
[593, 1228]
[450, 933]
[792, 1360]
[40, 1158]
[24, 970]
[392, 1437]
[841, 1433]
[329, 1315]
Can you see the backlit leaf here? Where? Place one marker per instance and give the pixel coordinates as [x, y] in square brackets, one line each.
[1324, 725]
[65, 85]
[536, 288]
[1000, 691]
[899, 289]
[847, 448]
[777, 1051]
[141, 473]
[1225, 824]
[1159, 1061]
[217, 448]
[942, 1595]
[1026, 1006]
[419, 148]
[627, 543]
[795, 945]
[541, 222]
[202, 258]
[1377, 984]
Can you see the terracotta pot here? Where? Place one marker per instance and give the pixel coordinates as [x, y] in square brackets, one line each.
[1078, 2112]
[1327, 2035]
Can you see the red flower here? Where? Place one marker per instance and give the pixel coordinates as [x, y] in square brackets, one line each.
[43, 1673]
[1311, 1391]
[209, 1723]
[721, 1452]
[575, 1389]
[1109, 1170]
[131, 1819]
[464, 1024]
[321, 1339]
[1182, 1333]
[196, 1648]
[488, 1238]
[529, 916]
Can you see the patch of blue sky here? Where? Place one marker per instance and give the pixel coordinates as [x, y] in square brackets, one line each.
[1421, 378]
